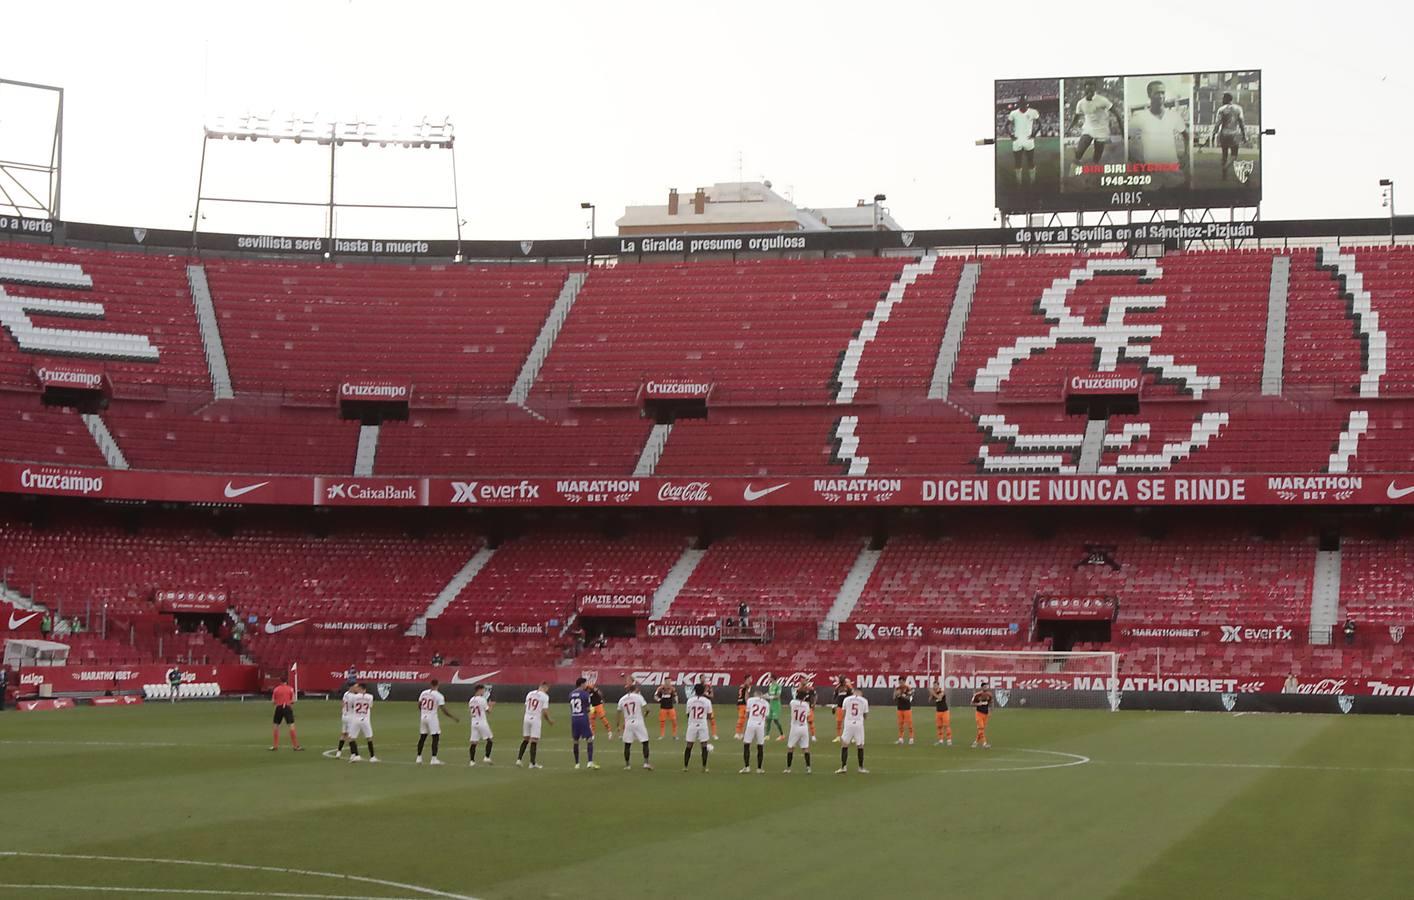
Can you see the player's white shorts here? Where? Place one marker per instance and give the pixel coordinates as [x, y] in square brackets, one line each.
[345, 723]
[1096, 134]
[853, 734]
[754, 734]
[635, 733]
[799, 737]
[697, 731]
[480, 731]
[359, 728]
[430, 725]
[1028, 144]
[530, 727]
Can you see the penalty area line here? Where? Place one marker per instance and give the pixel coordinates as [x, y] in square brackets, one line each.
[1395, 770]
[244, 867]
[185, 892]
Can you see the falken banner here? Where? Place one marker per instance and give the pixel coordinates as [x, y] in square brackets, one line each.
[952, 491]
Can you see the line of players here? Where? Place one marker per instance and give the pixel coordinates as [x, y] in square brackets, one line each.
[755, 713]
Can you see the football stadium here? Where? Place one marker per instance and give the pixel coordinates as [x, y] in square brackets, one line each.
[373, 527]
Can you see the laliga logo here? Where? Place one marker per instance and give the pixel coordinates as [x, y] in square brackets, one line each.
[1115, 340]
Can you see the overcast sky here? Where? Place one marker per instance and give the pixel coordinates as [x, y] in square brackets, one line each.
[614, 103]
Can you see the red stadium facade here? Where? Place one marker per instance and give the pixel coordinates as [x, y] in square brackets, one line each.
[533, 454]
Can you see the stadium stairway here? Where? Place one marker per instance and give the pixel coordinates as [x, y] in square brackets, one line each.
[1092, 446]
[952, 334]
[1325, 595]
[545, 340]
[210, 330]
[849, 363]
[444, 597]
[367, 453]
[673, 582]
[850, 591]
[1274, 352]
[847, 441]
[652, 451]
[107, 444]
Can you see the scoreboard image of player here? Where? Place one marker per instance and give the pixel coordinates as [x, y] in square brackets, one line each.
[1115, 142]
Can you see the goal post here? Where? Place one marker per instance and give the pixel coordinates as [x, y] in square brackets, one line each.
[1072, 679]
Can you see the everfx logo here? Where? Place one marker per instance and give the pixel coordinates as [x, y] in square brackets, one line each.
[1232, 634]
[464, 491]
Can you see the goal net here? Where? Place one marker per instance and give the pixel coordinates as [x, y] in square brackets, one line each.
[1080, 680]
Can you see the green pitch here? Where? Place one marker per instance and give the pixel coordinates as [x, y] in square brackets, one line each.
[1047, 168]
[1068, 804]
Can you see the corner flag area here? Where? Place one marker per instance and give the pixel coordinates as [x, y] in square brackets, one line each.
[186, 801]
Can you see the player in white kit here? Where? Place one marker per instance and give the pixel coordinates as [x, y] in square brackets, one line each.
[537, 707]
[359, 723]
[1093, 112]
[632, 706]
[479, 712]
[345, 712]
[799, 730]
[1024, 122]
[430, 706]
[700, 723]
[856, 710]
[758, 710]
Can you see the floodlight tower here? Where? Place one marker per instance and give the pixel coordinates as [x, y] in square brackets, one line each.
[30, 181]
[424, 134]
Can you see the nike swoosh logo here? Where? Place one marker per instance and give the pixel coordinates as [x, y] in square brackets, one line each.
[458, 679]
[16, 623]
[1394, 493]
[752, 496]
[272, 628]
[234, 492]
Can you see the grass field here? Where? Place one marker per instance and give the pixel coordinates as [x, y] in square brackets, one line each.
[1068, 804]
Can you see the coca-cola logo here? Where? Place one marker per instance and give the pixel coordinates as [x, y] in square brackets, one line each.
[692, 492]
[1324, 686]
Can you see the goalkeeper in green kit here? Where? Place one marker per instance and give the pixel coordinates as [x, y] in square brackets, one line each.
[775, 717]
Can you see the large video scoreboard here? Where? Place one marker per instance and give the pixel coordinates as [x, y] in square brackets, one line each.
[1098, 142]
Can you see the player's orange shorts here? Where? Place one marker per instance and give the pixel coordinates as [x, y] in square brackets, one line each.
[944, 722]
[812, 724]
[597, 712]
[981, 725]
[664, 717]
[839, 721]
[740, 719]
[905, 723]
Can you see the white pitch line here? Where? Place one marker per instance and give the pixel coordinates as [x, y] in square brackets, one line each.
[106, 743]
[205, 892]
[244, 867]
[1072, 759]
[1401, 770]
